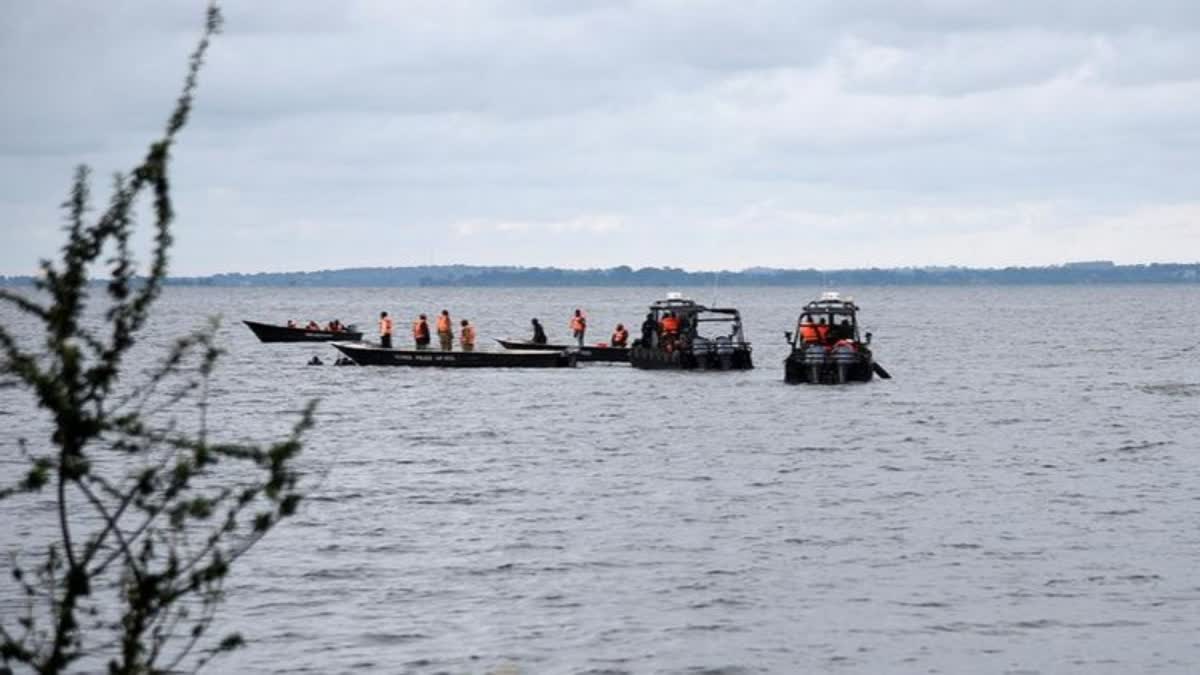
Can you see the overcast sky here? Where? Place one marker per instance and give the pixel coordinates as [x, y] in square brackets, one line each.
[580, 133]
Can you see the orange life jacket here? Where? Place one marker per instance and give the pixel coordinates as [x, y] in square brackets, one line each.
[385, 325]
[823, 331]
[620, 337]
[670, 324]
[578, 324]
[468, 335]
[443, 324]
[808, 333]
[420, 329]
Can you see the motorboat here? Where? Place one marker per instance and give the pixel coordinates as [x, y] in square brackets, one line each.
[826, 347]
[681, 334]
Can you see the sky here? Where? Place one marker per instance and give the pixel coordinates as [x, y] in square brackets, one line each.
[700, 134]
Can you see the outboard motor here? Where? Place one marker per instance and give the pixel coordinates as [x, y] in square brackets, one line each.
[701, 351]
[844, 356]
[725, 352]
[814, 358]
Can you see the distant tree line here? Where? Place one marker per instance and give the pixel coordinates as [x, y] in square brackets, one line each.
[1094, 272]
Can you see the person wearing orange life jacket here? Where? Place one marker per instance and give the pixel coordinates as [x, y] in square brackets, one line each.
[620, 336]
[808, 332]
[421, 332]
[668, 329]
[579, 325]
[385, 330]
[466, 336]
[823, 332]
[445, 331]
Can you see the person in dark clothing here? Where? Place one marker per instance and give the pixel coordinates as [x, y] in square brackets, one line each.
[539, 335]
[845, 331]
[649, 330]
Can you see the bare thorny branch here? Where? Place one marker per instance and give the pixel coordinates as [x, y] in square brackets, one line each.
[140, 559]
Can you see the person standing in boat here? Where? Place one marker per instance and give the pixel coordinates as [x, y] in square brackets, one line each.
[445, 331]
[421, 332]
[620, 336]
[649, 330]
[669, 329]
[466, 336]
[385, 330]
[539, 334]
[579, 326]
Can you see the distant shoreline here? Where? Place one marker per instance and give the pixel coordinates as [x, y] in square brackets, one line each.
[1096, 272]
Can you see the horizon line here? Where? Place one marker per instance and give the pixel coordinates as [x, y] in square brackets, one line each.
[1077, 265]
[752, 268]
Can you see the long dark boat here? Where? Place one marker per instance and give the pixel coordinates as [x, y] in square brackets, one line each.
[266, 332]
[704, 338]
[826, 347]
[365, 354]
[586, 353]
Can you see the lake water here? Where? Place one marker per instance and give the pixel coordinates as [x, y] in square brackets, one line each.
[1022, 497]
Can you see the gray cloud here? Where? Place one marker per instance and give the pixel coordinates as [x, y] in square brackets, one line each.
[641, 132]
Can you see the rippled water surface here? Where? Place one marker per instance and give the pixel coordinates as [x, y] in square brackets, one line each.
[1023, 497]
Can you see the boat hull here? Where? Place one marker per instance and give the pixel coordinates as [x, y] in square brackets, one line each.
[268, 333]
[371, 355]
[586, 353]
[798, 370]
[657, 359]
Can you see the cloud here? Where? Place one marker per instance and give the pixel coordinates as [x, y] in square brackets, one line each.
[1025, 233]
[539, 132]
[586, 225]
